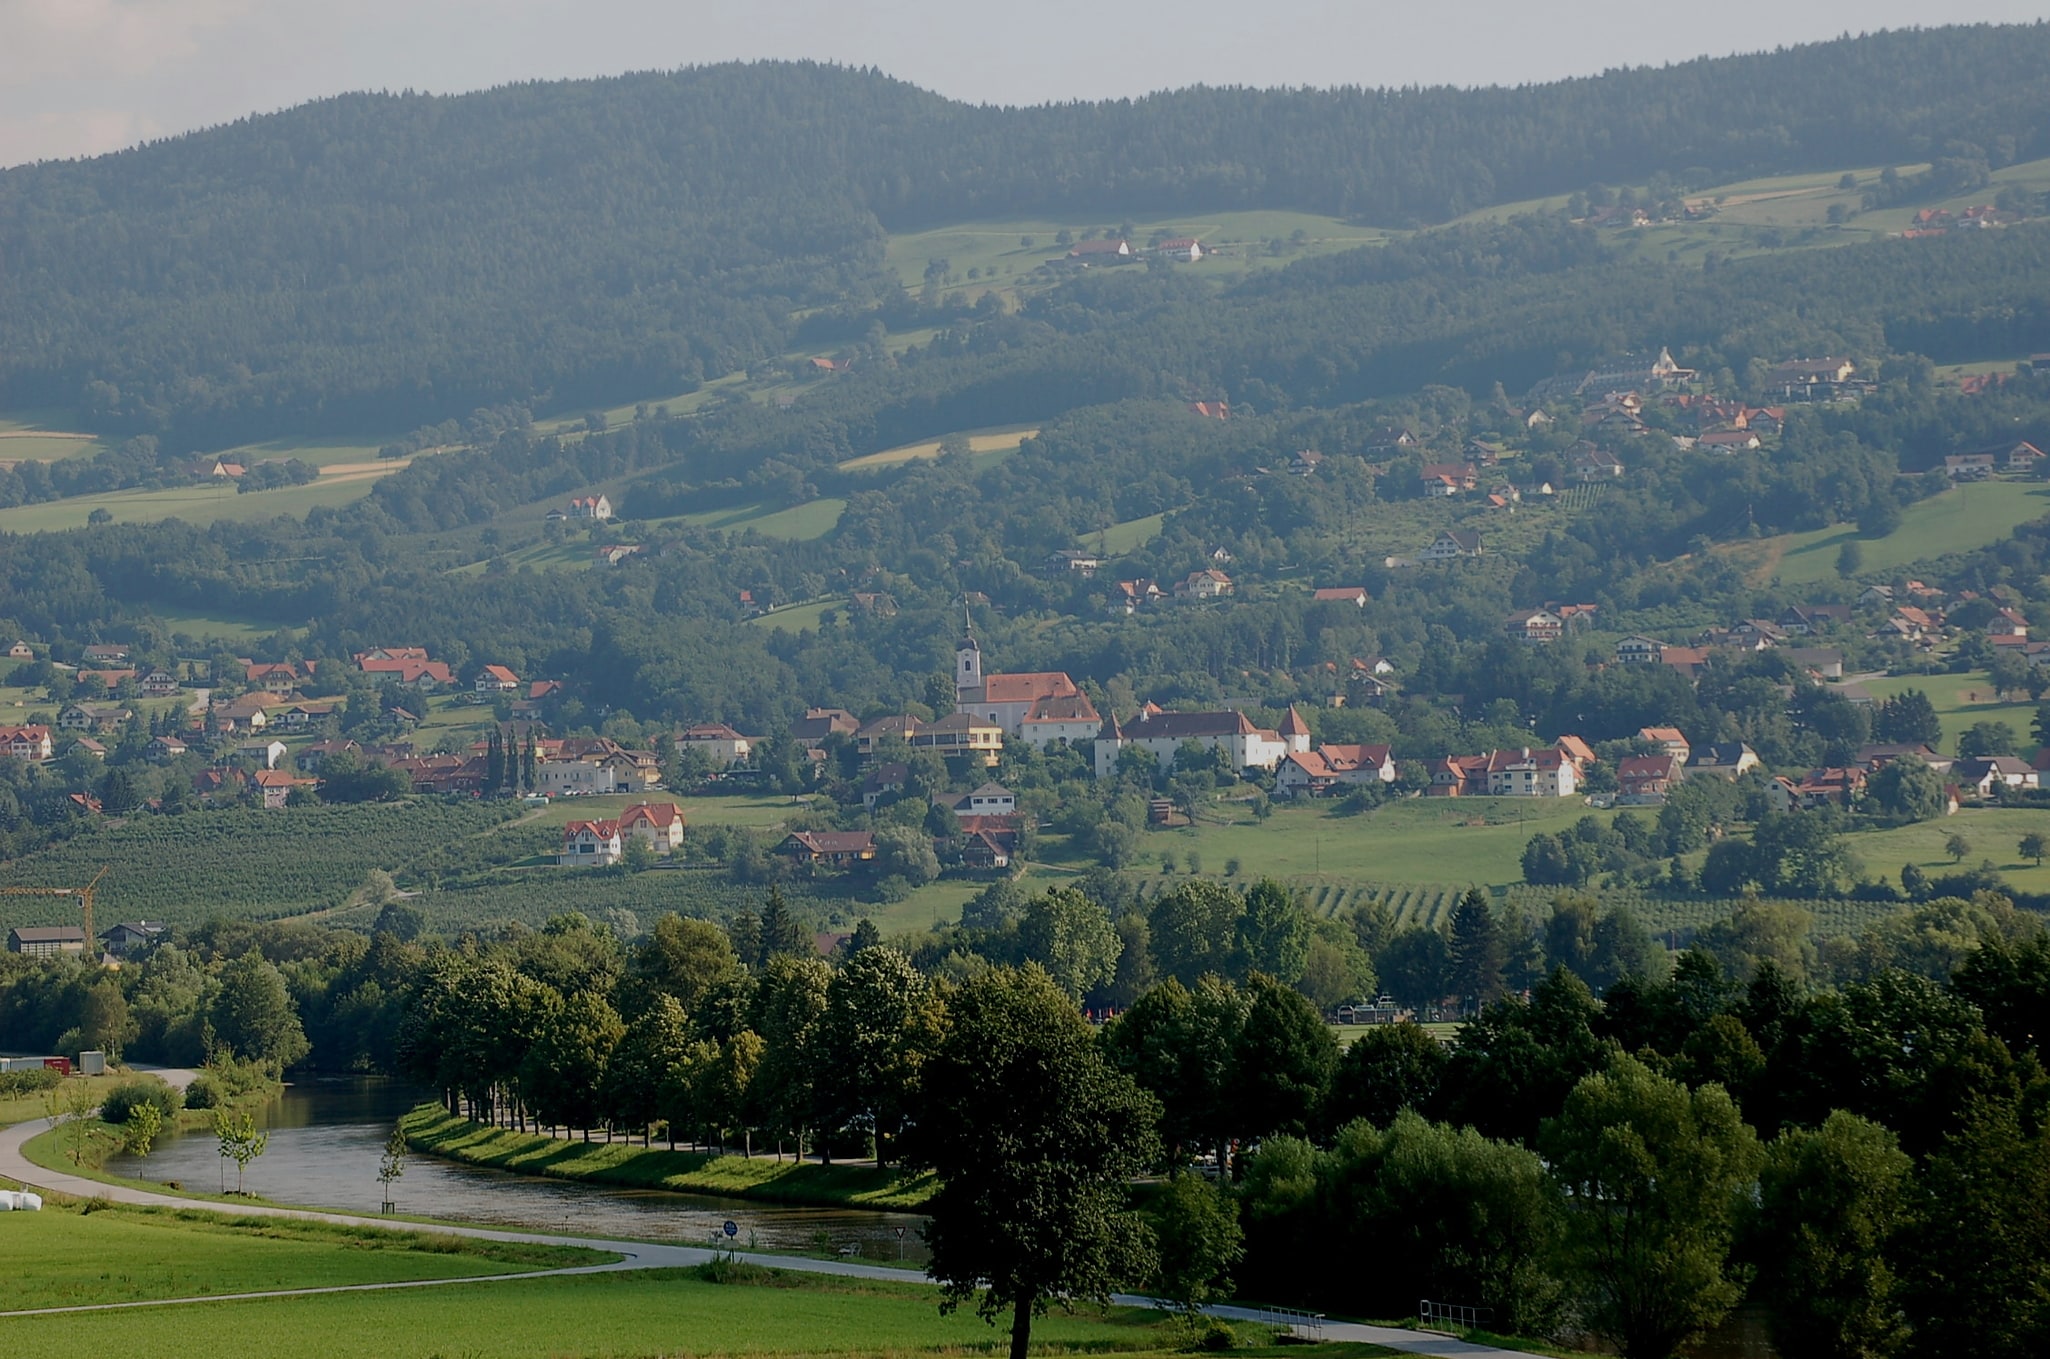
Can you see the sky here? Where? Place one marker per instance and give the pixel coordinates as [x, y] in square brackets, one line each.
[80, 77]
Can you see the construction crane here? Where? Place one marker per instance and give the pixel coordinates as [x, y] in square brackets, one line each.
[83, 895]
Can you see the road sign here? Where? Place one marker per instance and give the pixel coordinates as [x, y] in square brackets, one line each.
[731, 1228]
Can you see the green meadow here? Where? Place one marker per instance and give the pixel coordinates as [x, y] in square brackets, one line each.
[194, 504]
[1958, 520]
[1960, 700]
[1129, 536]
[1994, 834]
[643, 1312]
[993, 442]
[65, 1258]
[798, 617]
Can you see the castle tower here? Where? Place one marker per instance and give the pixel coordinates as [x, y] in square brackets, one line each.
[1295, 731]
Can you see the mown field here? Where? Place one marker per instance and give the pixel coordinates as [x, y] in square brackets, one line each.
[194, 504]
[1960, 701]
[645, 1312]
[798, 617]
[64, 1258]
[1993, 833]
[1962, 518]
[986, 445]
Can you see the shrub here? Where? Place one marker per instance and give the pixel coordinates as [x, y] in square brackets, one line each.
[205, 1092]
[1216, 1335]
[121, 1101]
[724, 1269]
[13, 1083]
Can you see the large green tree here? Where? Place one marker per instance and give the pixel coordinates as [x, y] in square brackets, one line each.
[1072, 938]
[1035, 1138]
[1652, 1175]
[253, 1014]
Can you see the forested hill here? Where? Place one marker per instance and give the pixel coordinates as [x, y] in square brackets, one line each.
[374, 261]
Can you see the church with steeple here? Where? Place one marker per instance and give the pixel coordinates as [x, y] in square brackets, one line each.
[1041, 709]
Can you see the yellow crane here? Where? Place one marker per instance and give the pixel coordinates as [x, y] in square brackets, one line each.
[83, 895]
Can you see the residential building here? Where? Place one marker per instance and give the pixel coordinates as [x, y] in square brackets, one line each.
[250, 712]
[164, 749]
[91, 717]
[1330, 768]
[961, 734]
[719, 743]
[1534, 627]
[1970, 466]
[1669, 740]
[279, 678]
[1531, 773]
[1210, 583]
[574, 778]
[131, 937]
[277, 786]
[266, 753]
[658, 825]
[591, 844]
[1644, 780]
[1830, 787]
[588, 507]
[991, 799]
[159, 684]
[1451, 545]
[1639, 651]
[312, 757]
[1163, 734]
[819, 723]
[495, 679]
[1983, 775]
[1355, 595]
[28, 743]
[829, 849]
[1180, 248]
[414, 670]
[86, 745]
[105, 653]
[1458, 776]
[1722, 759]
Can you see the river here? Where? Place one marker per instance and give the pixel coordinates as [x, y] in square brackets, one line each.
[327, 1136]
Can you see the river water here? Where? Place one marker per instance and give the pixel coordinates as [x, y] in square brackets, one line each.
[327, 1136]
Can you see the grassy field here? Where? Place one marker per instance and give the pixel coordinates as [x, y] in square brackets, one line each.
[986, 444]
[644, 1312]
[795, 523]
[430, 1128]
[1129, 536]
[122, 1254]
[218, 627]
[1419, 840]
[30, 447]
[1992, 831]
[1960, 519]
[22, 1108]
[1960, 700]
[194, 504]
[996, 252]
[798, 617]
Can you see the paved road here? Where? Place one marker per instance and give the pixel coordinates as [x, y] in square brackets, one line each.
[632, 1255]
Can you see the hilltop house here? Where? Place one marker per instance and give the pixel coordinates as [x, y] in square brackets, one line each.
[1210, 583]
[1531, 773]
[829, 849]
[721, 744]
[1644, 780]
[1331, 767]
[30, 744]
[1451, 545]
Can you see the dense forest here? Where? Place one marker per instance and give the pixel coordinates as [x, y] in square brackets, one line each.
[379, 260]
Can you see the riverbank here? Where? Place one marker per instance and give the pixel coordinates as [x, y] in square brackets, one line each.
[433, 1130]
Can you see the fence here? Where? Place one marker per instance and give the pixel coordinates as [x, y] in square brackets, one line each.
[1452, 1316]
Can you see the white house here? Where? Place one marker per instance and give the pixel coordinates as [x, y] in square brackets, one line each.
[574, 778]
[1042, 708]
[721, 744]
[1451, 545]
[992, 799]
[1531, 773]
[591, 844]
[495, 679]
[267, 753]
[659, 825]
[1244, 745]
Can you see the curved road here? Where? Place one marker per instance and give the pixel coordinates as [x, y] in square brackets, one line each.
[632, 1255]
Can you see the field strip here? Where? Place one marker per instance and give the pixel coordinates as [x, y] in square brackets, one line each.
[315, 1292]
[45, 434]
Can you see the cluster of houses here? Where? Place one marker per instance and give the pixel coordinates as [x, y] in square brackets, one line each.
[1111, 250]
[1966, 779]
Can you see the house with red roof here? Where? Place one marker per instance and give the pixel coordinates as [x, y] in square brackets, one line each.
[495, 679]
[658, 825]
[591, 844]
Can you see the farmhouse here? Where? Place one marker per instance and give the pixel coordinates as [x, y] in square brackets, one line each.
[495, 679]
[1206, 584]
[1330, 767]
[1452, 544]
[1639, 651]
[1530, 773]
[31, 743]
[829, 849]
[1355, 595]
[280, 678]
[1722, 759]
[276, 786]
[1644, 780]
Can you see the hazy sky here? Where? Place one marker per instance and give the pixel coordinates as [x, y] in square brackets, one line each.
[84, 76]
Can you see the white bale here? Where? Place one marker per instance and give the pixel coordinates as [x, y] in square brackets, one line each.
[10, 1201]
[31, 1203]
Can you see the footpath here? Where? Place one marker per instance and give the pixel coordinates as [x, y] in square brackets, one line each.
[632, 1255]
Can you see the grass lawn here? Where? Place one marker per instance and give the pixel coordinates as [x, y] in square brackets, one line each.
[30, 447]
[22, 1108]
[1960, 519]
[194, 504]
[798, 617]
[430, 1128]
[1992, 831]
[797, 523]
[214, 626]
[1416, 840]
[998, 440]
[1960, 700]
[1129, 536]
[645, 1312]
[936, 903]
[119, 1254]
